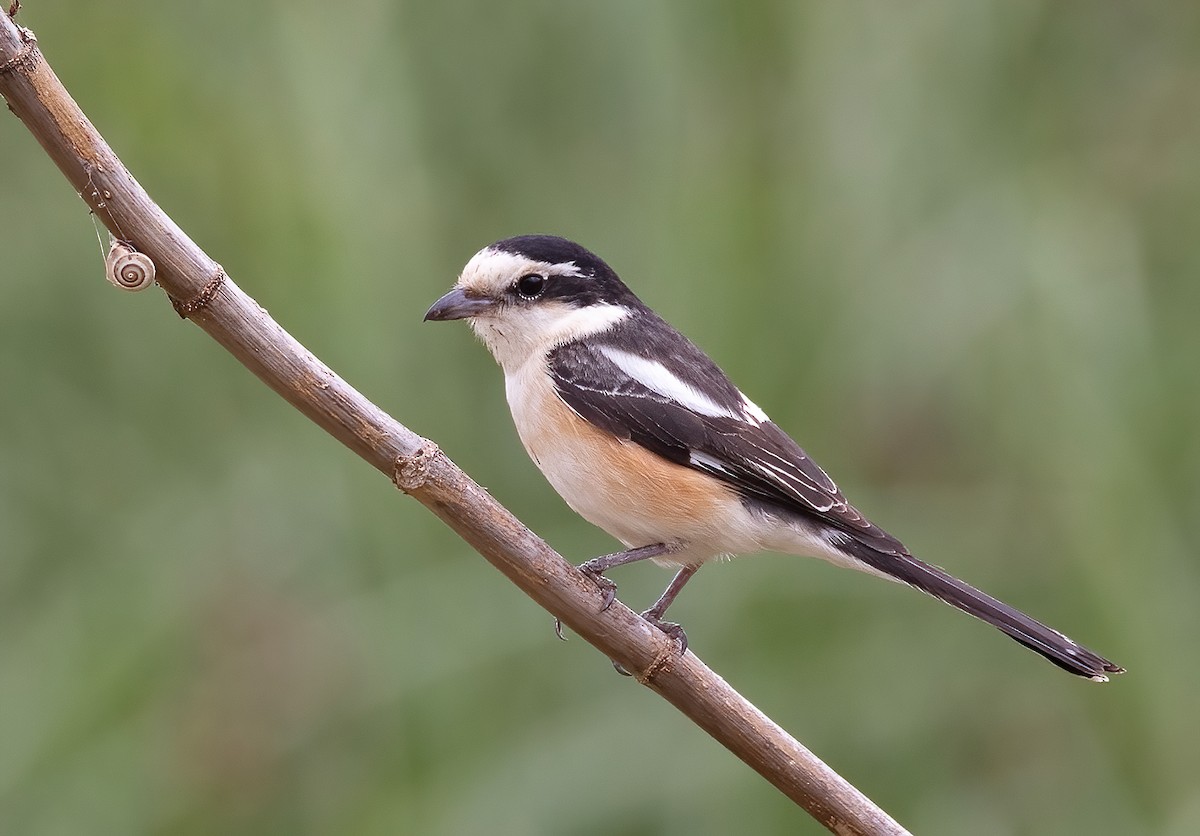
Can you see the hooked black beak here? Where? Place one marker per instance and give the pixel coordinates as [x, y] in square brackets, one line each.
[458, 305]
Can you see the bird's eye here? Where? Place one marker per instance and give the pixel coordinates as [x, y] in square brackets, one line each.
[531, 286]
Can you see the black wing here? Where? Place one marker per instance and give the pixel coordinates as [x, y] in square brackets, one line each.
[756, 458]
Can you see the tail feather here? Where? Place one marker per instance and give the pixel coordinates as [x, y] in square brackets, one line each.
[1030, 632]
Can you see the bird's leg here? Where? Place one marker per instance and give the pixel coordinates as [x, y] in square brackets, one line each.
[597, 566]
[655, 613]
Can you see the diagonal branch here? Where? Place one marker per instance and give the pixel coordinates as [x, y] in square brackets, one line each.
[201, 291]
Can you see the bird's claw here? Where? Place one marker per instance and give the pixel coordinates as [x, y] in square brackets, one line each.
[673, 630]
[608, 594]
[608, 589]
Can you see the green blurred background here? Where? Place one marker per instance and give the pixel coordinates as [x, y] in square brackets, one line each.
[951, 246]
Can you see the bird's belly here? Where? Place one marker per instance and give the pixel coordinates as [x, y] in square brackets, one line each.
[633, 494]
[642, 505]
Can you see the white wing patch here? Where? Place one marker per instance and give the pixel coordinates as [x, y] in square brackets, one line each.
[658, 378]
[710, 463]
[754, 413]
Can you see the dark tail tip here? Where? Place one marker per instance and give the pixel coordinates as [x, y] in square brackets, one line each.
[1046, 641]
[1062, 651]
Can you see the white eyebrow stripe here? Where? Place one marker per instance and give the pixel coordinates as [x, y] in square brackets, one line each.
[658, 378]
[504, 263]
[492, 271]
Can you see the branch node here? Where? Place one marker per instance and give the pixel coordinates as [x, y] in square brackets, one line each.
[411, 472]
[201, 299]
[24, 60]
[661, 663]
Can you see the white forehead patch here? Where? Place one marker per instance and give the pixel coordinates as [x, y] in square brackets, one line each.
[491, 272]
[658, 378]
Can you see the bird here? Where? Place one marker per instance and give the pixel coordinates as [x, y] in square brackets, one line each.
[644, 436]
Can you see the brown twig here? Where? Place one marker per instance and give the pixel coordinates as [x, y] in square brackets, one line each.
[207, 296]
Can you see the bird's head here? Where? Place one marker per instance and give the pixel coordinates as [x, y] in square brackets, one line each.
[523, 296]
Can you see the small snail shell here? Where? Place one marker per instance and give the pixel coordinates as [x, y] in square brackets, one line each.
[128, 269]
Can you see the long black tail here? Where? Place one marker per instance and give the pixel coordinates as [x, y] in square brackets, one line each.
[1032, 633]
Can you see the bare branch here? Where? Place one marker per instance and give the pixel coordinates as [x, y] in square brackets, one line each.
[200, 290]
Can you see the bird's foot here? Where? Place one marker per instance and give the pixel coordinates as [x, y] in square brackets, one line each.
[608, 592]
[608, 589]
[673, 630]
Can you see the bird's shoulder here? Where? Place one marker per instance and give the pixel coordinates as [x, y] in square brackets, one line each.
[643, 351]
